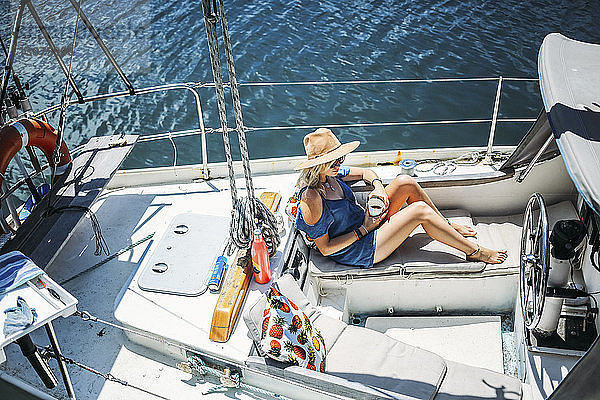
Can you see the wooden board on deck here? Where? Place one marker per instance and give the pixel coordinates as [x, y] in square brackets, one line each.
[44, 233]
[231, 298]
[271, 200]
[235, 286]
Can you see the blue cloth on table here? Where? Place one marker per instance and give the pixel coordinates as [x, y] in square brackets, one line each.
[19, 317]
[340, 217]
[15, 270]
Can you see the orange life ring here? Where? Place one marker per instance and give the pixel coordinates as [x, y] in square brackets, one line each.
[31, 132]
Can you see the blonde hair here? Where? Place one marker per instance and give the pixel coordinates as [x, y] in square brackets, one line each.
[309, 177]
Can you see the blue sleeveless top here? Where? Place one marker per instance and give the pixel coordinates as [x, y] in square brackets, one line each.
[340, 217]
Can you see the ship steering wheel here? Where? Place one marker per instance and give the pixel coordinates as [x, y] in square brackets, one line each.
[535, 261]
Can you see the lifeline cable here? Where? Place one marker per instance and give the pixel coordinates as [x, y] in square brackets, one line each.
[47, 352]
[194, 362]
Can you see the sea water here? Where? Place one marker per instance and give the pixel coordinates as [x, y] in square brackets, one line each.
[159, 42]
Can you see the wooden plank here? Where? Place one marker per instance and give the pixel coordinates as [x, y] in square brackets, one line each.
[51, 223]
[233, 293]
[235, 286]
[271, 200]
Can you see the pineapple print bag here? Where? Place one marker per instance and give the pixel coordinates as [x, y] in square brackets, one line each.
[288, 335]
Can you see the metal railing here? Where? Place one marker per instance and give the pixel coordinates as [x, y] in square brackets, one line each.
[202, 130]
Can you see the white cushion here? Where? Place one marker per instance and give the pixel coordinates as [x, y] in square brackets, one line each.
[466, 382]
[378, 361]
[417, 254]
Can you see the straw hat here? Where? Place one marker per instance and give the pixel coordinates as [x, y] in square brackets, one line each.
[322, 146]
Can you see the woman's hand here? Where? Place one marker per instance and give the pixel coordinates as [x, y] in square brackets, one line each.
[372, 223]
[380, 192]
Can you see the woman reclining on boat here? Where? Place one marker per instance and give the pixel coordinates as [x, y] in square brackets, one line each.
[343, 231]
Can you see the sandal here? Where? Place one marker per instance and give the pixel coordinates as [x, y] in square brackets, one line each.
[475, 252]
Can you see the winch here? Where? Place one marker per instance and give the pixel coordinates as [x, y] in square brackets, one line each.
[566, 243]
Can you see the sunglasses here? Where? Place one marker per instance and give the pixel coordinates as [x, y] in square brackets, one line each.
[338, 162]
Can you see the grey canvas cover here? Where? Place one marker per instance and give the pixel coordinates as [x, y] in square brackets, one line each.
[569, 73]
[531, 143]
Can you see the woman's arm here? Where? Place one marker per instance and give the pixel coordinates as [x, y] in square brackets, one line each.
[311, 205]
[370, 177]
[329, 246]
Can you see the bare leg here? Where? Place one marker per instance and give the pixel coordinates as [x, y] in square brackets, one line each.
[405, 189]
[391, 234]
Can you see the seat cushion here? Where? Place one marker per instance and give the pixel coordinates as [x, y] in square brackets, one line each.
[418, 253]
[364, 363]
[378, 361]
[466, 382]
[505, 233]
[502, 236]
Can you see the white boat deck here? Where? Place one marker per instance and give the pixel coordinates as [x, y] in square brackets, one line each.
[126, 216]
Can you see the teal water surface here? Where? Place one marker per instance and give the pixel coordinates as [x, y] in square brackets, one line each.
[158, 42]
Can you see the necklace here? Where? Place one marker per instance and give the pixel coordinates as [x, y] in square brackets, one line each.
[328, 185]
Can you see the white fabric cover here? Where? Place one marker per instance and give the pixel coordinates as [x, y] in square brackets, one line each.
[569, 82]
[466, 382]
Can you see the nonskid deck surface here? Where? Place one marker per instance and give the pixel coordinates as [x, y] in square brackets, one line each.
[127, 216]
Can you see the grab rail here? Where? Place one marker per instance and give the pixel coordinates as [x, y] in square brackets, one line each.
[202, 130]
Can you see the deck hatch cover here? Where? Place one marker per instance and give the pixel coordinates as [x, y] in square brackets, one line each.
[182, 261]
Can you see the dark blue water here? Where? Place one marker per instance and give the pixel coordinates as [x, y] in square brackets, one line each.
[158, 42]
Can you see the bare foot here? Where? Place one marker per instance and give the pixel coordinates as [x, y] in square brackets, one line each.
[488, 256]
[464, 230]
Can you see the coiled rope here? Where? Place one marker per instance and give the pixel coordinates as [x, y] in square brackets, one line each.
[240, 230]
[247, 213]
[446, 167]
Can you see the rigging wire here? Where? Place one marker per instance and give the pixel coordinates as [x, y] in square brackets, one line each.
[245, 213]
[100, 243]
[64, 100]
